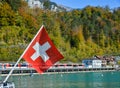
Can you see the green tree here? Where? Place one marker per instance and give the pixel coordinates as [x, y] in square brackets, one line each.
[7, 16]
[15, 4]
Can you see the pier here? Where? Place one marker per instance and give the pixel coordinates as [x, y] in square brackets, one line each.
[20, 71]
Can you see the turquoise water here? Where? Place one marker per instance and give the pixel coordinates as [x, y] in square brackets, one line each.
[69, 80]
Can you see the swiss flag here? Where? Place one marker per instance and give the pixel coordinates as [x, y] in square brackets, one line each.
[41, 52]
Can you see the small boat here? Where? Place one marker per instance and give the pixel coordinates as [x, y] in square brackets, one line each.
[7, 85]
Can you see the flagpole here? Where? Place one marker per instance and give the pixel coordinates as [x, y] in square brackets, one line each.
[21, 56]
[12, 70]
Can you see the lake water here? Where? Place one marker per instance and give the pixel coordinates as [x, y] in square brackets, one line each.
[69, 80]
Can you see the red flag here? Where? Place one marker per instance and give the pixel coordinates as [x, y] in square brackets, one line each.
[41, 52]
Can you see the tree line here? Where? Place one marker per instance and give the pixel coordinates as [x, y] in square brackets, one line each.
[78, 34]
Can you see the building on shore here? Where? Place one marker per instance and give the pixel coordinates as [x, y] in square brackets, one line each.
[100, 61]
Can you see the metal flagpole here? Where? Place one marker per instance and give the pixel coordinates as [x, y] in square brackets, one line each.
[21, 56]
[12, 69]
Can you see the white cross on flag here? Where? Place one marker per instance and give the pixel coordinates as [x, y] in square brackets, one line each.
[41, 52]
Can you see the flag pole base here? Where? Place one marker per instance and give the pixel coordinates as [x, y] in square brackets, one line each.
[7, 85]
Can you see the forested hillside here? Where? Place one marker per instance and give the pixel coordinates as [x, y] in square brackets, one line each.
[78, 34]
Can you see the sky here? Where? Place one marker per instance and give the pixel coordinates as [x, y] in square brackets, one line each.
[75, 4]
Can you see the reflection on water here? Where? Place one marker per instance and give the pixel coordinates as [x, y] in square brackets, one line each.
[69, 80]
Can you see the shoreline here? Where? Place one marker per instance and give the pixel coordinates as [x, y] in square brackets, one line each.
[31, 71]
